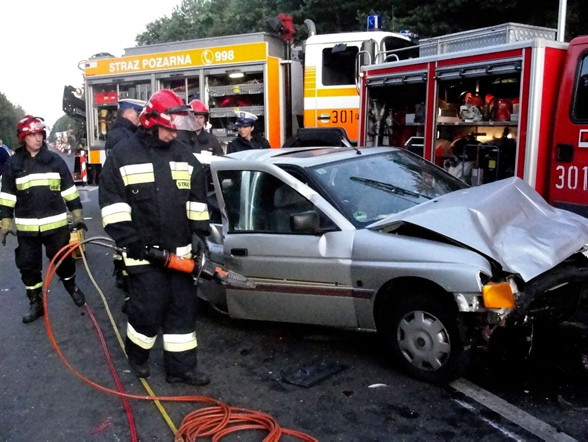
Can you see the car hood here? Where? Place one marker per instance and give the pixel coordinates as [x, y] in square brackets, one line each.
[507, 221]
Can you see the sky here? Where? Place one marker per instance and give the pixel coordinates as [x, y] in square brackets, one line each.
[43, 42]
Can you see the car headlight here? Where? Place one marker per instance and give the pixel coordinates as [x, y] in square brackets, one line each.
[498, 295]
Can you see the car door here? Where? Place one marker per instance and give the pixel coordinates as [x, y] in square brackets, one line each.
[300, 277]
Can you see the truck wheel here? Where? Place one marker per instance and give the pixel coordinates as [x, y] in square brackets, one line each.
[423, 335]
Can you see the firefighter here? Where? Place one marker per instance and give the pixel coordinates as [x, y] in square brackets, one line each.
[126, 123]
[152, 194]
[37, 190]
[246, 139]
[200, 140]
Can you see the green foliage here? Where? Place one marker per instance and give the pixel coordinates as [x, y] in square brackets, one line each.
[209, 18]
[9, 117]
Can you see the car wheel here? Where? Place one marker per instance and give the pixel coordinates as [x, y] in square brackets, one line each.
[423, 335]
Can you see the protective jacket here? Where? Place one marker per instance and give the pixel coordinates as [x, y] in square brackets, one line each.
[240, 143]
[121, 129]
[153, 192]
[37, 191]
[204, 141]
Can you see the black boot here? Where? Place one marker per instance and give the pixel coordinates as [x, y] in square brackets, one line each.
[76, 294]
[140, 370]
[35, 306]
[192, 377]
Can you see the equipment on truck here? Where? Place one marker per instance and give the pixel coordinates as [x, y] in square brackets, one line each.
[532, 121]
[259, 73]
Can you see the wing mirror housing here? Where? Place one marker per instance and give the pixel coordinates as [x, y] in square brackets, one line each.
[305, 222]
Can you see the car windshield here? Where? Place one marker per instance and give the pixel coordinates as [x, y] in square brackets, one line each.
[368, 188]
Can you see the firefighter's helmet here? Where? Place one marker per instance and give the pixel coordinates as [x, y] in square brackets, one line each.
[165, 108]
[30, 125]
[199, 108]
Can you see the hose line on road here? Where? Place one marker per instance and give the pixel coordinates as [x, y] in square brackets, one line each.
[216, 420]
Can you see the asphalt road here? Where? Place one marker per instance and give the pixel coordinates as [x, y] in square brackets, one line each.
[507, 395]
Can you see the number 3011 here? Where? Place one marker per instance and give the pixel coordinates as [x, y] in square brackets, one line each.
[571, 178]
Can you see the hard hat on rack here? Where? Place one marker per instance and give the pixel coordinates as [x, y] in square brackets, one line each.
[131, 103]
[245, 119]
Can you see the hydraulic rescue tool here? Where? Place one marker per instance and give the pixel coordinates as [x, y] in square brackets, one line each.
[200, 266]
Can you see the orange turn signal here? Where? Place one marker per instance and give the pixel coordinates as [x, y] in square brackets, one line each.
[498, 295]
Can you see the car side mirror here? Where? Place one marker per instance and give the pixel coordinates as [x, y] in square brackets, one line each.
[305, 222]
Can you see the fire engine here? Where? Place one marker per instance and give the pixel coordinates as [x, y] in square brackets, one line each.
[507, 100]
[260, 73]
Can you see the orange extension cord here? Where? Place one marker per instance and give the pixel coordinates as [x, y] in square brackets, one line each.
[215, 421]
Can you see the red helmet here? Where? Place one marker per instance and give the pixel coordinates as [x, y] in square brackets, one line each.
[30, 125]
[165, 108]
[199, 108]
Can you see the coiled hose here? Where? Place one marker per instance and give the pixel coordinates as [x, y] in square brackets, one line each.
[215, 421]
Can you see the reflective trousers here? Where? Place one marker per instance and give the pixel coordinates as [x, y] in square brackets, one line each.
[29, 256]
[165, 300]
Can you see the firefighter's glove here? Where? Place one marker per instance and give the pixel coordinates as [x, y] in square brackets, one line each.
[77, 220]
[199, 246]
[7, 226]
[136, 250]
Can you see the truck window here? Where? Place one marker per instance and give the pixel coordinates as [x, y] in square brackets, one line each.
[580, 106]
[339, 65]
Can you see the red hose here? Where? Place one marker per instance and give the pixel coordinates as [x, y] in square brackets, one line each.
[217, 420]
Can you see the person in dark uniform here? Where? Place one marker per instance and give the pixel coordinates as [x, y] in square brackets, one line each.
[37, 191]
[246, 139]
[125, 125]
[152, 194]
[200, 140]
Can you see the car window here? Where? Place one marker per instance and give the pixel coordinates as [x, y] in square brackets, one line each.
[369, 188]
[259, 202]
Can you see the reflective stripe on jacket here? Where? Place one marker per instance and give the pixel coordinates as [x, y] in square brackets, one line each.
[153, 192]
[37, 191]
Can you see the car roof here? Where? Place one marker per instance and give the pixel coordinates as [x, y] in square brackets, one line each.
[306, 156]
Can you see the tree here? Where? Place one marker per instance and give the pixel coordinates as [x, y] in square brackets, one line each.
[208, 18]
[10, 115]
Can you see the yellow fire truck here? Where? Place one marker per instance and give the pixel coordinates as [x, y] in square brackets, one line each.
[258, 72]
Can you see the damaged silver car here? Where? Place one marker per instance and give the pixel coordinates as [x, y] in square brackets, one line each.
[380, 239]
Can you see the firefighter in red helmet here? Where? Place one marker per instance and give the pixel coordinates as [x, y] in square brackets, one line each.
[200, 140]
[152, 194]
[37, 191]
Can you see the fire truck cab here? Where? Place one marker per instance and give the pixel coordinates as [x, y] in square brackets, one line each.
[487, 104]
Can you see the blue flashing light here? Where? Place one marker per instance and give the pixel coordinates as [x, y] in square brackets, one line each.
[374, 22]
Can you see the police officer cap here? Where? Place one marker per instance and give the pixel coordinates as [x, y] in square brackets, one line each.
[245, 119]
[130, 103]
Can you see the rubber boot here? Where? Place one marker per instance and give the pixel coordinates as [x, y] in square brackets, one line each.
[76, 294]
[35, 306]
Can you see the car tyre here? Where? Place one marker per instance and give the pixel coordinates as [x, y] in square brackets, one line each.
[423, 335]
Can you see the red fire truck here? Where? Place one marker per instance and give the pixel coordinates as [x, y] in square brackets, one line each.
[487, 104]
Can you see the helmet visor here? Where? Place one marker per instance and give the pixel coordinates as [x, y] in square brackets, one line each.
[183, 121]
